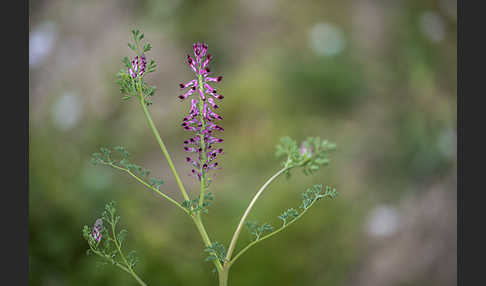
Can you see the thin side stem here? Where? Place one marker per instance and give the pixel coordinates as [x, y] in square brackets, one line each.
[104, 256]
[118, 246]
[247, 212]
[151, 187]
[268, 235]
[162, 147]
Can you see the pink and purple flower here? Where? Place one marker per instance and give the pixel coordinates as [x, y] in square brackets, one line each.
[202, 115]
[139, 65]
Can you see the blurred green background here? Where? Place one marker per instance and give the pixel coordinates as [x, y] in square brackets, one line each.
[378, 78]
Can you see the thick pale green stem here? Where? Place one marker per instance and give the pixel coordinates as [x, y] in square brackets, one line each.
[245, 215]
[223, 277]
[164, 150]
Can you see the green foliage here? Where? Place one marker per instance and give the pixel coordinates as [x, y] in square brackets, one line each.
[217, 251]
[123, 163]
[109, 246]
[136, 87]
[193, 205]
[288, 216]
[147, 47]
[312, 154]
[258, 230]
[310, 196]
[314, 193]
[330, 192]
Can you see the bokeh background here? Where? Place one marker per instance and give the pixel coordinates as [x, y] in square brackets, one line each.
[378, 78]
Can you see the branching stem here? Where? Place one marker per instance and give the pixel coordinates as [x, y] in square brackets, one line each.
[196, 218]
[150, 187]
[118, 247]
[162, 147]
[285, 225]
[247, 212]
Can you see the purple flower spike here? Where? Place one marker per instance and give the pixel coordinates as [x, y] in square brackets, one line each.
[138, 66]
[97, 229]
[201, 117]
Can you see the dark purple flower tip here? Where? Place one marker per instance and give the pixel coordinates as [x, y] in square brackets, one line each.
[181, 85]
[187, 128]
[209, 57]
[208, 70]
[219, 78]
[219, 96]
[205, 166]
[193, 171]
[199, 150]
[186, 148]
[216, 164]
[193, 88]
[188, 159]
[186, 142]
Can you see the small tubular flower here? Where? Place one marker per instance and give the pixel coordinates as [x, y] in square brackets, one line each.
[201, 117]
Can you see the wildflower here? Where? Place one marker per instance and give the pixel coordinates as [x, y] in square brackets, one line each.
[201, 115]
[139, 65]
[97, 229]
[305, 151]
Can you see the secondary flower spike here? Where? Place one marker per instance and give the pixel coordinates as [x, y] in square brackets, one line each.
[138, 66]
[97, 228]
[201, 117]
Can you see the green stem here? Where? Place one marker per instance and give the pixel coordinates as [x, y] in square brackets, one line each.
[162, 147]
[223, 277]
[118, 246]
[247, 212]
[196, 219]
[202, 143]
[207, 241]
[150, 187]
[107, 258]
[268, 235]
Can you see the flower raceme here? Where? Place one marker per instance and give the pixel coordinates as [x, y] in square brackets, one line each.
[138, 66]
[97, 228]
[202, 113]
